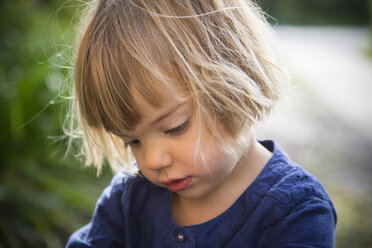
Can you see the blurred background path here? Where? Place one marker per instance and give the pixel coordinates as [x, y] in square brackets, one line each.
[325, 119]
[328, 108]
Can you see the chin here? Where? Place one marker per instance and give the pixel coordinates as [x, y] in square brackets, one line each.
[191, 194]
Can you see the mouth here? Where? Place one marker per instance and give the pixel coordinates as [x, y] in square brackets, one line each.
[177, 185]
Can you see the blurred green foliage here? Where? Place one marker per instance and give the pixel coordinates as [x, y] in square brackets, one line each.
[369, 48]
[43, 197]
[317, 12]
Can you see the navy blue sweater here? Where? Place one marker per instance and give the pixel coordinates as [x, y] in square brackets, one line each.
[284, 207]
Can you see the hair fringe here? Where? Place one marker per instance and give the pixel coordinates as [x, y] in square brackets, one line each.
[221, 52]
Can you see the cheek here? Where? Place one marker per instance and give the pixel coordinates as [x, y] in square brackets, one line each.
[136, 155]
[214, 160]
[140, 161]
[218, 159]
[150, 175]
[220, 163]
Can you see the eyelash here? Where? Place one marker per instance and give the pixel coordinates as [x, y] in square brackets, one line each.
[174, 132]
[178, 130]
[133, 143]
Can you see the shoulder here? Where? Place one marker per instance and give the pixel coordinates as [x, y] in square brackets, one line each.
[121, 186]
[123, 183]
[286, 182]
[297, 205]
[290, 184]
[295, 186]
[127, 190]
[115, 208]
[303, 213]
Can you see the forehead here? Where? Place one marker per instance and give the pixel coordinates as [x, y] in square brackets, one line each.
[148, 102]
[152, 115]
[170, 99]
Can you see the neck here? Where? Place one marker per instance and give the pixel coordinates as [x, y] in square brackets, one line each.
[195, 211]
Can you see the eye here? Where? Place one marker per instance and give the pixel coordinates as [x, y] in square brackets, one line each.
[178, 130]
[133, 143]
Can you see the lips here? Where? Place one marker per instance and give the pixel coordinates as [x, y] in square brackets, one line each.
[177, 185]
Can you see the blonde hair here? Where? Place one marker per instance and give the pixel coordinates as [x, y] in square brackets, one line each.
[220, 53]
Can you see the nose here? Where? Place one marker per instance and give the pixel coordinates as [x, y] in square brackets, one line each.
[157, 157]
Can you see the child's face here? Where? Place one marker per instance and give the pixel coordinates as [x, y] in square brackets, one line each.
[164, 143]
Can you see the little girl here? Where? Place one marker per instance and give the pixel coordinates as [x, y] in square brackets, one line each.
[168, 92]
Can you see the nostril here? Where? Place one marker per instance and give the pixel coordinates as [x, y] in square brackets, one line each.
[167, 159]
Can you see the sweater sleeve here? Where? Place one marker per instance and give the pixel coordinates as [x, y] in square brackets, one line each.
[309, 218]
[106, 226]
[311, 223]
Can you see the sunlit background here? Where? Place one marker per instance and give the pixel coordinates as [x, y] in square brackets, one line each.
[324, 121]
